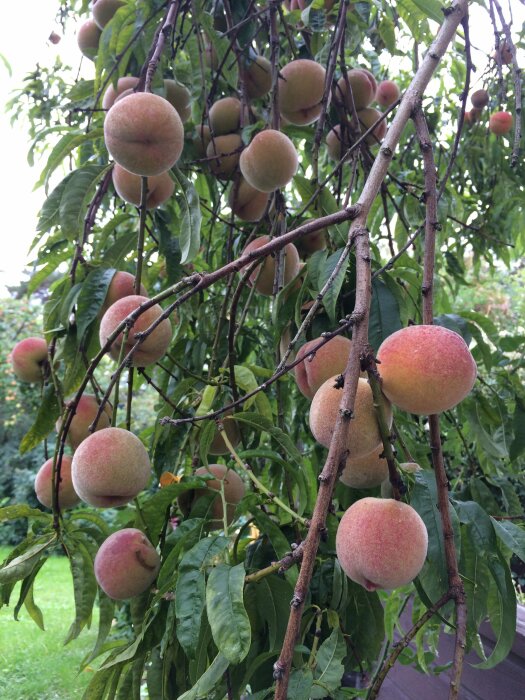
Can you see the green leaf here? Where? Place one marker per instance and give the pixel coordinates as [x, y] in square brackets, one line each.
[91, 297]
[332, 294]
[273, 595]
[300, 684]
[206, 683]
[517, 446]
[76, 196]
[46, 417]
[512, 535]
[84, 585]
[230, 626]
[65, 146]
[32, 608]
[20, 567]
[329, 662]
[106, 608]
[264, 424]
[21, 510]
[384, 313]
[431, 8]
[191, 217]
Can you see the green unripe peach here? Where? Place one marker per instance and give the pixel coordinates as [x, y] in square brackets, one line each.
[426, 369]
[301, 89]
[129, 186]
[126, 564]
[85, 413]
[28, 358]
[110, 468]
[224, 116]
[263, 278]
[88, 37]
[67, 496]
[270, 161]
[227, 148]
[330, 359]
[144, 133]
[381, 543]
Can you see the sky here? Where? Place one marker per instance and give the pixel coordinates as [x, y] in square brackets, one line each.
[20, 204]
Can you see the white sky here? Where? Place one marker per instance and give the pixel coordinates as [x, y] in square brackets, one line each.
[25, 44]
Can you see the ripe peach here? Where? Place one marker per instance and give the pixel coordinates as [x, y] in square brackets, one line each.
[224, 116]
[270, 161]
[263, 278]
[301, 88]
[246, 202]
[128, 187]
[231, 427]
[363, 86]
[480, 99]
[500, 123]
[364, 430]
[28, 358]
[387, 93]
[103, 11]
[127, 82]
[367, 118]
[153, 347]
[381, 543]
[257, 77]
[126, 564]
[234, 490]
[86, 411]
[88, 36]
[67, 496]
[365, 472]
[110, 468]
[144, 133]
[180, 97]
[312, 242]
[122, 285]
[227, 148]
[426, 369]
[330, 359]
[336, 145]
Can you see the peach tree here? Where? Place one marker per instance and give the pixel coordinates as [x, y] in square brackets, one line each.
[224, 183]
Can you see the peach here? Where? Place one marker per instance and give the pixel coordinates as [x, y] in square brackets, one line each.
[110, 468]
[224, 116]
[336, 145]
[263, 278]
[88, 37]
[312, 242]
[126, 564]
[129, 186]
[86, 411]
[270, 161]
[367, 118]
[247, 203]
[257, 77]
[364, 435]
[180, 97]
[363, 86]
[67, 496]
[504, 52]
[122, 285]
[471, 117]
[153, 347]
[301, 88]
[381, 543]
[103, 11]
[144, 133]
[366, 472]
[387, 93]
[406, 467]
[234, 490]
[426, 369]
[28, 358]
[330, 359]
[480, 99]
[500, 123]
[127, 82]
[231, 427]
[202, 139]
[227, 148]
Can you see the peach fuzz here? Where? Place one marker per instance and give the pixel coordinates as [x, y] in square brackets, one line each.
[363, 86]
[104, 10]
[301, 89]
[88, 37]
[85, 414]
[129, 186]
[227, 148]
[381, 543]
[263, 275]
[387, 93]
[126, 564]
[500, 123]
[110, 468]
[224, 116]
[153, 347]
[364, 436]
[247, 203]
[330, 359]
[67, 496]
[426, 369]
[144, 133]
[270, 161]
[28, 358]
[366, 472]
[234, 490]
[257, 77]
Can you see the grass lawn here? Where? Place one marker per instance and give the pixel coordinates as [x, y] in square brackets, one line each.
[35, 665]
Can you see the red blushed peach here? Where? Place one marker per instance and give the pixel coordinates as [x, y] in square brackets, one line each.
[364, 430]
[387, 93]
[263, 278]
[231, 428]
[381, 543]
[224, 116]
[126, 564]
[330, 359]
[144, 133]
[270, 161]
[227, 148]
[500, 123]
[28, 358]
[127, 82]
[301, 89]
[367, 118]
[366, 472]
[426, 369]
[122, 285]
[67, 496]
[86, 411]
[246, 202]
[234, 490]
[153, 347]
[110, 468]
[363, 86]
[88, 37]
[129, 187]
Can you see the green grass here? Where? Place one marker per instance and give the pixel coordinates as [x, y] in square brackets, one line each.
[35, 665]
